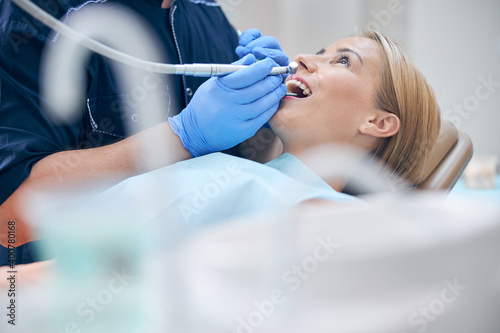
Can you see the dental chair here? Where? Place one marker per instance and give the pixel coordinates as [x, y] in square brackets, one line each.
[448, 159]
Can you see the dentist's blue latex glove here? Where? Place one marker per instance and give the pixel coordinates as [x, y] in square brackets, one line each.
[227, 110]
[252, 42]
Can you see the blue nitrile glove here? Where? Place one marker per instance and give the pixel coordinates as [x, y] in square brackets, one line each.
[227, 110]
[252, 42]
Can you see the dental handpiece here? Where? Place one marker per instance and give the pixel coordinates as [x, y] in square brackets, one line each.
[203, 70]
[207, 70]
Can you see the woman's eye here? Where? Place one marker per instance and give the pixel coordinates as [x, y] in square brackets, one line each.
[344, 60]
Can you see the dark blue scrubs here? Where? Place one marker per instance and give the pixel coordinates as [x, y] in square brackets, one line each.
[191, 31]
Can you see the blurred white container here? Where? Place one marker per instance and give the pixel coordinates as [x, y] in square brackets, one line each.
[481, 172]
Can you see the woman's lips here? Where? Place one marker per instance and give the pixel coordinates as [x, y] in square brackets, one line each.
[298, 86]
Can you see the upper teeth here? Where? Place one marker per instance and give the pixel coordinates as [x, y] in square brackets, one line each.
[301, 85]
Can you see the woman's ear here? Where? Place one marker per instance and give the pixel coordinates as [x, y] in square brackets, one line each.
[382, 125]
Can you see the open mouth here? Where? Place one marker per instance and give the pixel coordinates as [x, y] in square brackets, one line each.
[298, 88]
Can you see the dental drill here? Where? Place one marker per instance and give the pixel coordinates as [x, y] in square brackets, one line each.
[207, 70]
[200, 70]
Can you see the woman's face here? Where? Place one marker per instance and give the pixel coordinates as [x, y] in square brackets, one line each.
[336, 97]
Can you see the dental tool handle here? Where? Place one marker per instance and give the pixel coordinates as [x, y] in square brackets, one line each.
[207, 70]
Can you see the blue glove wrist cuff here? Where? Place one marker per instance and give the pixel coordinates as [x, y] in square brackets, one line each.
[178, 126]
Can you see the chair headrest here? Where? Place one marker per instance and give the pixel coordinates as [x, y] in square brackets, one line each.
[448, 136]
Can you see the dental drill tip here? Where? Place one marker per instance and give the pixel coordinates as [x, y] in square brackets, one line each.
[293, 67]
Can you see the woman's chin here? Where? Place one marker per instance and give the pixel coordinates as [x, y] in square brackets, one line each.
[277, 120]
[285, 121]
[286, 115]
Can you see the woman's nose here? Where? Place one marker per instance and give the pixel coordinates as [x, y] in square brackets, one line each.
[306, 62]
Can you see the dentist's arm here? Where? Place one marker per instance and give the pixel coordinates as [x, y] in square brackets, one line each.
[103, 165]
[223, 112]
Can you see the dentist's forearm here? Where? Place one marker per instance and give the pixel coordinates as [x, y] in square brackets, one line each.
[111, 163]
[103, 165]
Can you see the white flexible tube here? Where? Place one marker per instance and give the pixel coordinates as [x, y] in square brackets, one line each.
[204, 70]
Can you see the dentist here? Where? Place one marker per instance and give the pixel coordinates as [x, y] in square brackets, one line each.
[37, 154]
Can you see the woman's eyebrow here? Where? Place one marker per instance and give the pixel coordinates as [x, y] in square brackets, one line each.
[350, 51]
[320, 52]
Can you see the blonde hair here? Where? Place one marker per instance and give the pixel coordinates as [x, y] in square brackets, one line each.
[404, 92]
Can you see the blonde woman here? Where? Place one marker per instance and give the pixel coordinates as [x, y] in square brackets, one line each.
[364, 92]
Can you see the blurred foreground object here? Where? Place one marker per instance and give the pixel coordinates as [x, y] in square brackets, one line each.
[481, 172]
[399, 264]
